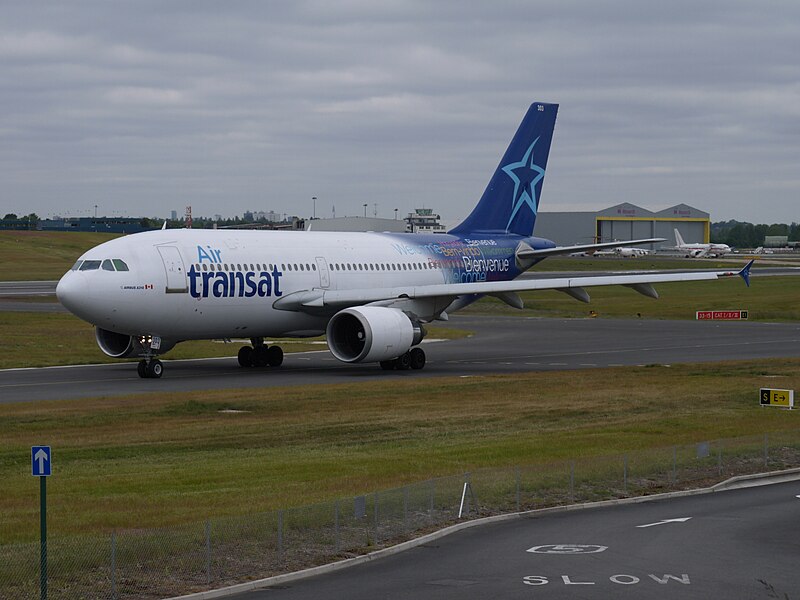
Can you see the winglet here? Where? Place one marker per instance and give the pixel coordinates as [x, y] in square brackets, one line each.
[745, 272]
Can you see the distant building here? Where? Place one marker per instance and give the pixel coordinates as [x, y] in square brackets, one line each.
[101, 224]
[356, 224]
[776, 241]
[173, 215]
[14, 224]
[625, 222]
[423, 220]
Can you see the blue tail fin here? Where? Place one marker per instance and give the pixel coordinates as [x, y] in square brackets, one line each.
[511, 200]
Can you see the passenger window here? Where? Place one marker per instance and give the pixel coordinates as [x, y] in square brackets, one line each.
[90, 265]
[107, 266]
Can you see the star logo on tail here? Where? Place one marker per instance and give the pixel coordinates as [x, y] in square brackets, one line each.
[525, 175]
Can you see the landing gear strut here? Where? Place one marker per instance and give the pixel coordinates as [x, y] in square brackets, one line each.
[260, 355]
[413, 359]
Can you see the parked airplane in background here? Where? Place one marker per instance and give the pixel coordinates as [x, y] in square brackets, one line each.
[621, 251]
[371, 293]
[700, 250]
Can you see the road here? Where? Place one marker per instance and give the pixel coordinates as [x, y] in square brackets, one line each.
[734, 544]
[505, 345]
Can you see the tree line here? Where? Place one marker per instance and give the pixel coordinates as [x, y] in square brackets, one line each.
[738, 234]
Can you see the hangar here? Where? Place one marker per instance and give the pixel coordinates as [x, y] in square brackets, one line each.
[625, 221]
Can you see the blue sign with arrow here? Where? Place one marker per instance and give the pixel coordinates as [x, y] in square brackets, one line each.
[41, 465]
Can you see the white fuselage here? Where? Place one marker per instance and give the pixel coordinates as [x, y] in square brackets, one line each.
[199, 284]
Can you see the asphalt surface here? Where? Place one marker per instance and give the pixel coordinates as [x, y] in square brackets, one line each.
[735, 544]
[505, 345]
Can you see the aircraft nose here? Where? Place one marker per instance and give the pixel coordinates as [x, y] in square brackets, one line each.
[69, 291]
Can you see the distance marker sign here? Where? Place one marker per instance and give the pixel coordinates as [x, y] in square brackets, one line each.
[782, 398]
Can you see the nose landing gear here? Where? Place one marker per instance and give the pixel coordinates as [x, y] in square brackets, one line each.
[150, 369]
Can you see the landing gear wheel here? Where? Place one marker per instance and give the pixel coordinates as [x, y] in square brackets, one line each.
[274, 356]
[260, 356]
[416, 358]
[245, 356]
[388, 365]
[155, 369]
[141, 368]
[403, 362]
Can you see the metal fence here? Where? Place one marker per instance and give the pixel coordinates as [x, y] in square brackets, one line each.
[170, 561]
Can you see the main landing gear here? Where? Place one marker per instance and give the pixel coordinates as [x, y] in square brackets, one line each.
[150, 369]
[413, 359]
[260, 355]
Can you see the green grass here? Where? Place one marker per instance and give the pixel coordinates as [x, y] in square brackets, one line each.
[150, 460]
[43, 256]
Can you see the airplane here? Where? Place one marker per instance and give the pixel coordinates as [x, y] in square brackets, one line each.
[622, 251]
[699, 250]
[370, 293]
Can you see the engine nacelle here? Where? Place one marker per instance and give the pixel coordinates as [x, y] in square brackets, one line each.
[371, 334]
[120, 345]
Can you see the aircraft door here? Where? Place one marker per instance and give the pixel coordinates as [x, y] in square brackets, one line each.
[324, 274]
[176, 273]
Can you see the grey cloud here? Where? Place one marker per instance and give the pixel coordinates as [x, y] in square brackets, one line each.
[149, 106]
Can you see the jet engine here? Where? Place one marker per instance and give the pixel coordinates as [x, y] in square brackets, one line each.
[120, 345]
[372, 334]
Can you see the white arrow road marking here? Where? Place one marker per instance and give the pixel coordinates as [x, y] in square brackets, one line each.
[681, 520]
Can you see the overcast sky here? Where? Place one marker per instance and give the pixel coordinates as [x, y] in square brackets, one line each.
[146, 107]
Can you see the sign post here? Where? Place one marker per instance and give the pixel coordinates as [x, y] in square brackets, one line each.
[41, 467]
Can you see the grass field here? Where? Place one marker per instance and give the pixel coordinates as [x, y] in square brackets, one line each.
[149, 460]
[43, 255]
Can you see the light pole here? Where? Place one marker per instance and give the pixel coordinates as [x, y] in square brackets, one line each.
[365, 211]
[314, 213]
[395, 214]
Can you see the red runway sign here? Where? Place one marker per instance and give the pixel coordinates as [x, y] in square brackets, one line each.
[721, 315]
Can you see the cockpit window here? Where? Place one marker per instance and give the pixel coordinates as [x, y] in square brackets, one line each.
[120, 264]
[90, 265]
[107, 266]
[76, 266]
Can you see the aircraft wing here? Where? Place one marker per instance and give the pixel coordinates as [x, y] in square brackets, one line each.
[320, 300]
[529, 253]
